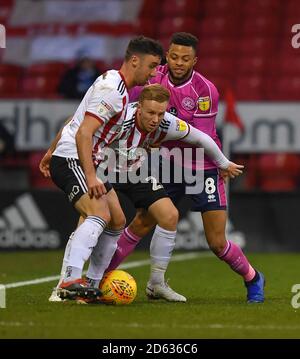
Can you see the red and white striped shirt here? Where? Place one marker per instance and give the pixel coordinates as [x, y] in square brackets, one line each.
[132, 138]
[107, 101]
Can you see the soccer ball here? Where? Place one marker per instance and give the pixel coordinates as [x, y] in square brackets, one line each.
[118, 287]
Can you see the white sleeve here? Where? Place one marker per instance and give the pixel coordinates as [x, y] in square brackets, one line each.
[104, 103]
[176, 128]
[200, 139]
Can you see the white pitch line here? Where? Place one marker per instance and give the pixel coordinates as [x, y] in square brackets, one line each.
[175, 258]
[214, 326]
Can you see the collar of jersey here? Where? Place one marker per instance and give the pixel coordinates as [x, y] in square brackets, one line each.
[123, 78]
[184, 83]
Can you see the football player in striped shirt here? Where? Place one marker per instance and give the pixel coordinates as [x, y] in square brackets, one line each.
[75, 154]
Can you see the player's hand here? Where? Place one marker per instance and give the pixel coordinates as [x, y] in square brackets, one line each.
[96, 188]
[233, 170]
[45, 164]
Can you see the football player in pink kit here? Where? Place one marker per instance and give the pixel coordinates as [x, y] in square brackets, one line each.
[195, 100]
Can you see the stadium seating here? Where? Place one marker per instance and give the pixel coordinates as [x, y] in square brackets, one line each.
[40, 86]
[261, 7]
[220, 7]
[5, 10]
[211, 65]
[10, 76]
[278, 171]
[249, 88]
[286, 88]
[169, 25]
[233, 49]
[9, 86]
[46, 68]
[218, 26]
[185, 8]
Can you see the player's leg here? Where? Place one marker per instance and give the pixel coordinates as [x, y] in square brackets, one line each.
[214, 218]
[104, 250]
[97, 215]
[139, 227]
[54, 297]
[161, 248]
[214, 223]
[68, 175]
[143, 195]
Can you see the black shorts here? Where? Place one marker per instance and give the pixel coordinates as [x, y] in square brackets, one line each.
[142, 194]
[212, 197]
[68, 175]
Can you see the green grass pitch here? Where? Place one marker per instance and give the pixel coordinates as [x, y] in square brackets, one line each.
[216, 306]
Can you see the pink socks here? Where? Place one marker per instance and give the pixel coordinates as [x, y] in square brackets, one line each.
[126, 245]
[237, 261]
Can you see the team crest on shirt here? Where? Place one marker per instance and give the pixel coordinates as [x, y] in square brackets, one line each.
[188, 103]
[204, 103]
[181, 125]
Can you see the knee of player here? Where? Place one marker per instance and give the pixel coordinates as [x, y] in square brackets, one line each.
[170, 219]
[105, 215]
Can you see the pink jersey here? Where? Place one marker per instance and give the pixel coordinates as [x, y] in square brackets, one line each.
[195, 101]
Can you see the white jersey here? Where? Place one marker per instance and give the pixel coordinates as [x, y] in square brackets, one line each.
[107, 101]
[132, 139]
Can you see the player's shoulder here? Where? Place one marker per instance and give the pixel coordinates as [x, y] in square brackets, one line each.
[111, 81]
[167, 122]
[131, 110]
[161, 72]
[203, 85]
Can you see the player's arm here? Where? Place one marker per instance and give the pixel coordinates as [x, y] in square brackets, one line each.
[45, 161]
[180, 130]
[200, 139]
[84, 143]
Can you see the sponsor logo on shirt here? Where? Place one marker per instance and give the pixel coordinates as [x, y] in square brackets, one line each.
[204, 103]
[104, 108]
[181, 125]
[188, 103]
[106, 105]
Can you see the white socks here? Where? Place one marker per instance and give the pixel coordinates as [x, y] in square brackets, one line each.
[65, 260]
[102, 255]
[161, 248]
[84, 239]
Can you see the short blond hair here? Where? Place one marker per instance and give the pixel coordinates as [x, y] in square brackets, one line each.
[154, 92]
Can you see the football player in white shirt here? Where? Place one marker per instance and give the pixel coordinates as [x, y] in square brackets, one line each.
[76, 152]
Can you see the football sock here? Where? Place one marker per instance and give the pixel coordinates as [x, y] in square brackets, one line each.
[161, 248]
[126, 245]
[235, 258]
[65, 260]
[84, 240]
[102, 255]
